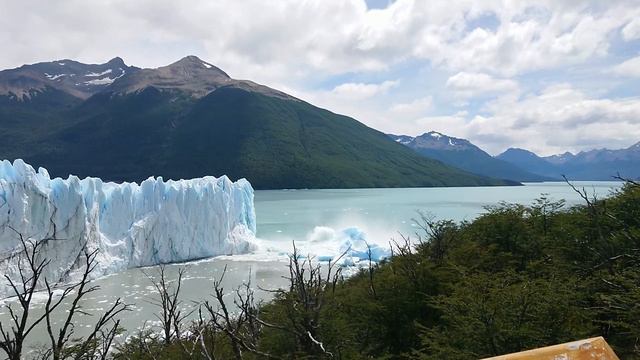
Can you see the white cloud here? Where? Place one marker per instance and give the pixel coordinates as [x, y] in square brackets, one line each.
[523, 44]
[630, 67]
[412, 109]
[468, 85]
[452, 125]
[558, 119]
[631, 31]
[296, 40]
[360, 91]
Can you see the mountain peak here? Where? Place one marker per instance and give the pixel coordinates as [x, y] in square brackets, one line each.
[516, 150]
[191, 65]
[437, 140]
[117, 61]
[189, 74]
[565, 157]
[190, 58]
[433, 134]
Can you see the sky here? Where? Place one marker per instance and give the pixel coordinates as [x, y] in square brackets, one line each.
[549, 76]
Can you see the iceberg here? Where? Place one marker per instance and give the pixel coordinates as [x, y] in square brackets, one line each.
[129, 224]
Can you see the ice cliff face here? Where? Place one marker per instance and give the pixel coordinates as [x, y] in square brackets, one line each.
[130, 225]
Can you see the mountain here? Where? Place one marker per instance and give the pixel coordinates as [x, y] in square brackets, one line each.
[600, 164]
[69, 76]
[189, 75]
[190, 119]
[526, 159]
[463, 154]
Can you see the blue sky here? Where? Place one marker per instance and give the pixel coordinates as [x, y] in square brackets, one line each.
[550, 75]
[378, 4]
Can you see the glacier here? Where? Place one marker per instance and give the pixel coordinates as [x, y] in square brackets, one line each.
[131, 225]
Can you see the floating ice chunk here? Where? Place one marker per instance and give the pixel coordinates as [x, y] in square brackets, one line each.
[327, 244]
[355, 246]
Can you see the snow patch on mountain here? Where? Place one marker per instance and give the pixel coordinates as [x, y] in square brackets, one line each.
[92, 74]
[130, 225]
[103, 81]
[53, 77]
[404, 141]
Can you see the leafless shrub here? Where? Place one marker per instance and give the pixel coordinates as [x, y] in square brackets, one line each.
[31, 274]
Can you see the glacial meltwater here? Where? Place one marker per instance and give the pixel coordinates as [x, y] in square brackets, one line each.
[319, 221]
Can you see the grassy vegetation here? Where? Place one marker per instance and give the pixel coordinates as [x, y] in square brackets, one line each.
[274, 143]
[517, 277]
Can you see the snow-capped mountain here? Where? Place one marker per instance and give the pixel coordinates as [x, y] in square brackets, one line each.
[523, 165]
[463, 154]
[560, 158]
[598, 155]
[402, 139]
[436, 140]
[69, 76]
[189, 75]
[131, 225]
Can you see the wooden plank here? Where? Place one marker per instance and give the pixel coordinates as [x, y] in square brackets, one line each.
[588, 349]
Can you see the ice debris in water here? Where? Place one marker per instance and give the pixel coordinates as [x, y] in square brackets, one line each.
[352, 242]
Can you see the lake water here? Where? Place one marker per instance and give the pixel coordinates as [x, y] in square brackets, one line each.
[314, 219]
[285, 216]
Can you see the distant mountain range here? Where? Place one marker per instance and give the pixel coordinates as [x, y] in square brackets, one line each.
[600, 164]
[190, 119]
[463, 154]
[523, 165]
